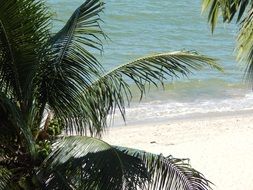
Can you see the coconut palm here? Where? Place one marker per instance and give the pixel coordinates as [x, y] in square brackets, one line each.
[55, 100]
[242, 12]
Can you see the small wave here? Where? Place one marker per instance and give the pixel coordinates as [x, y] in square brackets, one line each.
[160, 109]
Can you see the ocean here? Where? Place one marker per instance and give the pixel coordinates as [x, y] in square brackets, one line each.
[144, 27]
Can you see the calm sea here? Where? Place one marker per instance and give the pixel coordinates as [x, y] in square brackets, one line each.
[142, 27]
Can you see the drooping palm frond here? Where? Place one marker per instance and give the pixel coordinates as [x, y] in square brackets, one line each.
[244, 10]
[168, 173]
[88, 163]
[226, 8]
[23, 33]
[71, 65]
[112, 90]
[245, 43]
[213, 12]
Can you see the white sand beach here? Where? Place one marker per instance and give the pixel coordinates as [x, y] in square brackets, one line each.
[219, 145]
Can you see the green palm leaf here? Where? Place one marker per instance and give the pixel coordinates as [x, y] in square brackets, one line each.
[23, 33]
[5, 176]
[244, 9]
[245, 43]
[112, 90]
[168, 173]
[227, 8]
[13, 126]
[71, 66]
[88, 163]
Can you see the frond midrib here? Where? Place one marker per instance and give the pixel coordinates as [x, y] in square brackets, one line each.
[178, 53]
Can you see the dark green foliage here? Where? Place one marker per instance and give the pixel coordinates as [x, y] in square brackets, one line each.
[89, 163]
[5, 176]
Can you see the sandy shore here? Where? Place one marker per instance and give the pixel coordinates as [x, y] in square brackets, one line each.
[220, 146]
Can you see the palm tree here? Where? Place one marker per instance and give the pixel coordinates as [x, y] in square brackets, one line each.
[51, 84]
[242, 11]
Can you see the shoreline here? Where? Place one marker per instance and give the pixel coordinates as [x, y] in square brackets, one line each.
[186, 117]
[219, 145]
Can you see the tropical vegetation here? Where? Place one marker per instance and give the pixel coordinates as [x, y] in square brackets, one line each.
[56, 99]
[242, 12]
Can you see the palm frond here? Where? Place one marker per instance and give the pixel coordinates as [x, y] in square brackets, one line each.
[112, 90]
[225, 8]
[72, 66]
[5, 178]
[88, 163]
[9, 81]
[13, 126]
[243, 5]
[245, 43]
[23, 33]
[213, 12]
[168, 173]
[244, 10]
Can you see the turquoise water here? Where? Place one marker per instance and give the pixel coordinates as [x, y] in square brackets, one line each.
[142, 27]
